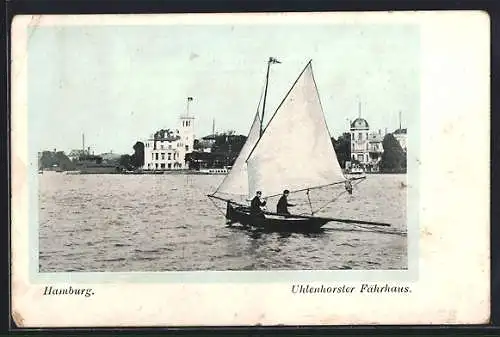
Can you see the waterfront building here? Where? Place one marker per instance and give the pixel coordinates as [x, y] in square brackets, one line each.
[359, 141]
[167, 149]
[206, 143]
[110, 157]
[402, 137]
[75, 154]
[376, 149]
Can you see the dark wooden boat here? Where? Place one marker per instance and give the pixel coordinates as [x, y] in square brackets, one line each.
[273, 222]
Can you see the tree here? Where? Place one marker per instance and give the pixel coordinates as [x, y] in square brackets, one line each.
[54, 159]
[394, 157]
[137, 159]
[228, 147]
[342, 148]
[126, 162]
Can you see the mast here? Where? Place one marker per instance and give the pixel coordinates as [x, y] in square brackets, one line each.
[301, 111]
[399, 119]
[271, 60]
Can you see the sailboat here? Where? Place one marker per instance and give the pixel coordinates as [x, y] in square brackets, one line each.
[293, 152]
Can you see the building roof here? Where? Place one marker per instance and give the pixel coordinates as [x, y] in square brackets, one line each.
[110, 156]
[375, 138]
[359, 123]
[209, 137]
[76, 152]
[400, 131]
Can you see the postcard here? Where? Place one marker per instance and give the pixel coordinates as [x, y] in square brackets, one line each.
[250, 169]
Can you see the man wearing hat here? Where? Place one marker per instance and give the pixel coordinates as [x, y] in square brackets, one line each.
[257, 204]
[282, 207]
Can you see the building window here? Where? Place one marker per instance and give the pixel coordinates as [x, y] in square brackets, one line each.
[187, 147]
[152, 156]
[170, 146]
[169, 156]
[156, 165]
[169, 165]
[360, 158]
[360, 136]
[161, 146]
[163, 156]
[156, 156]
[162, 166]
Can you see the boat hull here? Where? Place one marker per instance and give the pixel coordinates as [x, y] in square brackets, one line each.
[274, 222]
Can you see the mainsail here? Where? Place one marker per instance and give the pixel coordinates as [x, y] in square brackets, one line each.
[236, 182]
[295, 151]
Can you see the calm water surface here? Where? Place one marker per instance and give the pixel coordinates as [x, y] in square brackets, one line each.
[166, 222]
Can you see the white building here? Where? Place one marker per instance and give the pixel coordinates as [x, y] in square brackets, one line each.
[376, 149]
[402, 137]
[168, 149]
[206, 143]
[375, 141]
[359, 141]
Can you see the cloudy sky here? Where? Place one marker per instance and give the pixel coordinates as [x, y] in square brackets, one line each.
[119, 84]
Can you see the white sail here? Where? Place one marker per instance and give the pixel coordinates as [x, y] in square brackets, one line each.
[295, 151]
[236, 182]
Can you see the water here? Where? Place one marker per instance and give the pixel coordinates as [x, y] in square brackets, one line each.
[166, 222]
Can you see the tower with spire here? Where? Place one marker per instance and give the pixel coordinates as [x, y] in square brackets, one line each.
[401, 134]
[359, 139]
[166, 149]
[186, 131]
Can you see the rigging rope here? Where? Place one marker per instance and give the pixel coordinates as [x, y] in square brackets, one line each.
[348, 189]
[310, 204]
[217, 207]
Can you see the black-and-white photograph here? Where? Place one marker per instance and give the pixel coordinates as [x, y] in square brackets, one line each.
[206, 169]
[221, 147]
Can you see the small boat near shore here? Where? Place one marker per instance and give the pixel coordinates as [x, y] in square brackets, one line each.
[356, 170]
[214, 171]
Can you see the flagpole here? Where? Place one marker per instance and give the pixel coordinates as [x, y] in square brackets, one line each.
[189, 99]
[271, 60]
[265, 94]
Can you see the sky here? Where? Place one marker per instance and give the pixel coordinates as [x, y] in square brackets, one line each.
[119, 84]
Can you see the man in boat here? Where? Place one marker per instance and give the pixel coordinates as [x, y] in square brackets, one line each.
[256, 205]
[282, 207]
[348, 186]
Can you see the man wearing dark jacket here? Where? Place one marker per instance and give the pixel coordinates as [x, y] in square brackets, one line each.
[282, 207]
[256, 204]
